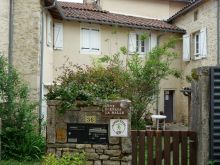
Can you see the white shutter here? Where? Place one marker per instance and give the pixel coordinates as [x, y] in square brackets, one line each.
[153, 40]
[58, 36]
[95, 40]
[85, 39]
[49, 22]
[132, 43]
[186, 47]
[203, 42]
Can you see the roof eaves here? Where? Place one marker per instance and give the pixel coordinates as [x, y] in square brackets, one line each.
[185, 10]
[182, 31]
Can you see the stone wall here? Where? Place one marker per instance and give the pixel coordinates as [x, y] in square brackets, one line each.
[26, 42]
[199, 121]
[4, 23]
[117, 151]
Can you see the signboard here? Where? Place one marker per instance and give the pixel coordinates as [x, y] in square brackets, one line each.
[119, 109]
[119, 127]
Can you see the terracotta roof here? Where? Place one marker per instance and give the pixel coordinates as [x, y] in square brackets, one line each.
[90, 13]
[185, 10]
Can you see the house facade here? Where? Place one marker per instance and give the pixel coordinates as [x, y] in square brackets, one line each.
[47, 32]
[200, 45]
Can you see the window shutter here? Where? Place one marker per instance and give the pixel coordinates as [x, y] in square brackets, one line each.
[186, 47]
[49, 22]
[85, 46]
[58, 36]
[153, 40]
[203, 42]
[132, 43]
[95, 40]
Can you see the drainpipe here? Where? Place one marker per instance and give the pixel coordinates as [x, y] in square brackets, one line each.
[10, 45]
[42, 63]
[218, 17]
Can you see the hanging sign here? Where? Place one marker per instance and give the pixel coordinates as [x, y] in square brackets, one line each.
[118, 127]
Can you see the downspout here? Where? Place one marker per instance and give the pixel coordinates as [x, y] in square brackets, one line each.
[42, 63]
[218, 17]
[10, 35]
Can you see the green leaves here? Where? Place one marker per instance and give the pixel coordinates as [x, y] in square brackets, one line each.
[118, 76]
[19, 139]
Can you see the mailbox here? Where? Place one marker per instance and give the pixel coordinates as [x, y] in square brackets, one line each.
[87, 133]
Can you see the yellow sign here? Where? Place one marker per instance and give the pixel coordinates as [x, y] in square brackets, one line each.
[90, 119]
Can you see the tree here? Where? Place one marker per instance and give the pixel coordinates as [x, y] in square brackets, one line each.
[19, 137]
[111, 77]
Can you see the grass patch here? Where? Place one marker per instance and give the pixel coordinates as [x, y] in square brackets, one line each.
[14, 162]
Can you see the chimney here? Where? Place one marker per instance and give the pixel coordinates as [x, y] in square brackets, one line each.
[95, 3]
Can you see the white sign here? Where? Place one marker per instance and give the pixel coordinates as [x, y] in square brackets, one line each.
[119, 127]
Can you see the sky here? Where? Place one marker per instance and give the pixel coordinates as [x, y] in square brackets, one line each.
[80, 1]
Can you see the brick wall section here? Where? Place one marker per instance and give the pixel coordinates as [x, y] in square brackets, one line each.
[117, 151]
[26, 52]
[4, 23]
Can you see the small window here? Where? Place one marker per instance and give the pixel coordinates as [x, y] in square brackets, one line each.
[138, 43]
[195, 15]
[90, 40]
[197, 43]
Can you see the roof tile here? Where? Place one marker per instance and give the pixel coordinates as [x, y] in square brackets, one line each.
[87, 13]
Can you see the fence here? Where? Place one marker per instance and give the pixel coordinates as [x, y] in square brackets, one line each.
[164, 147]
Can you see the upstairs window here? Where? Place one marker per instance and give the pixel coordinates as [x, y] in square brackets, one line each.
[195, 45]
[90, 41]
[141, 42]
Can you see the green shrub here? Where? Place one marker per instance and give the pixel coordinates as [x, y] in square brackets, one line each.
[66, 159]
[19, 138]
[117, 77]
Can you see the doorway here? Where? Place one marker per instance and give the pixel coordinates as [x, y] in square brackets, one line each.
[168, 105]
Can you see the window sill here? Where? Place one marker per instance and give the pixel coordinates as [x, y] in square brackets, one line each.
[90, 53]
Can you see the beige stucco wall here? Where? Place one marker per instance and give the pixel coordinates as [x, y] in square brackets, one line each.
[160, 9]
[4, 23]
[26, 45]
[110, 44]
[207, 13]
[173, 84]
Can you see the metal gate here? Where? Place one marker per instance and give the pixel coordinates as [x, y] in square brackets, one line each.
[215, 115]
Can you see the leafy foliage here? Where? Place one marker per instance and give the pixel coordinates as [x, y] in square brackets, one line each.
[111, 77]
[66, 159]
[19, 139]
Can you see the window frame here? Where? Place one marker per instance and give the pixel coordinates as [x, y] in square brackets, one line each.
[140, 44]
[90, 50]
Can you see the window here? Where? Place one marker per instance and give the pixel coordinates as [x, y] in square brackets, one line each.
[90, 40]
[195, 15]
[141, 42]
[195, 45]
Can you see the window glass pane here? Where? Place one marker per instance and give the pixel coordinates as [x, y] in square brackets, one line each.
[142, 46]
[197, 44]
[137, 43]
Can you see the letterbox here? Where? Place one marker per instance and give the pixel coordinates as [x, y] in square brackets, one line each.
[87, 133]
